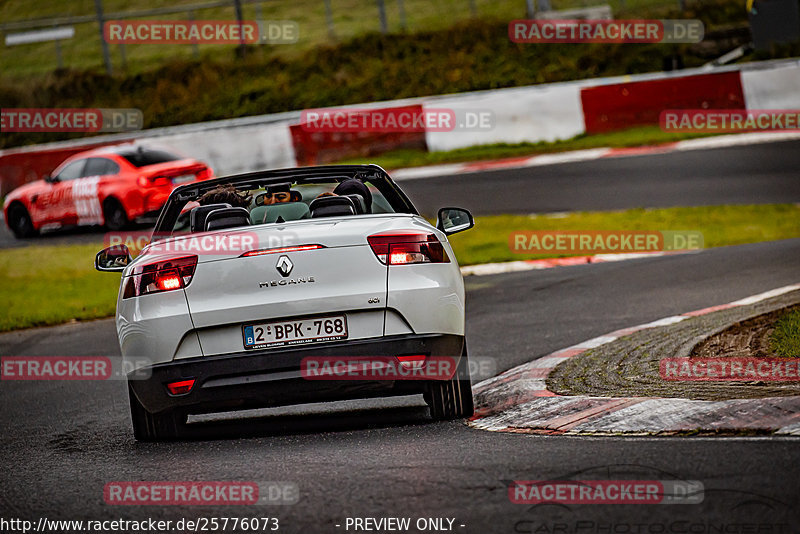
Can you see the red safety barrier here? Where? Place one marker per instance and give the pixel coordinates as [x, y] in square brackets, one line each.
[622, 105]
[317, 145]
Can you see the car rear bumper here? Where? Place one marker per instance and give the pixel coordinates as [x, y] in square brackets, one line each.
[272, 377]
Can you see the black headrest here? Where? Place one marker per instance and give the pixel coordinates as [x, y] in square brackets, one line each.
[358, 201]
[197, 217]
[354, 186]
[332, 206]
[227, 218]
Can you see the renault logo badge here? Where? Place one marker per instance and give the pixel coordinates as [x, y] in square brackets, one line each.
[284, 265]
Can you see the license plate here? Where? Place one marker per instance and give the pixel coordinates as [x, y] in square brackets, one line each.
[295, 331]
[183, 179]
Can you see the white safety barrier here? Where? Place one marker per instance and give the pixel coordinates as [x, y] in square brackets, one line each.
[531, 114]
[776, 88]
[236, 149]
[525, 114]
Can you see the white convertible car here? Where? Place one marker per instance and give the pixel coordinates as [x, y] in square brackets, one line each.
[287, 287]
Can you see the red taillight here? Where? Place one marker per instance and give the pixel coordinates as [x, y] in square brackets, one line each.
[154, 181]
[205, 174]
[180, 387]
[407, 248]
[168, 280]
[165, 275]
[263, 251]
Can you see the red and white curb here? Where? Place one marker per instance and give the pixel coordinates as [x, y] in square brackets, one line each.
[703, 143]
[548, 263]
[518, 400]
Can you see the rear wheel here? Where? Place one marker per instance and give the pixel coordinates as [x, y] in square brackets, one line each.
[19, 221]
[114, 214]
[451, 399]
[155, 427]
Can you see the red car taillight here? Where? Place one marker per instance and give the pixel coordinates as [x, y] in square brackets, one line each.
[165, 275]
[281, 250]
[154, 181]
[205, 174]
[407, 248]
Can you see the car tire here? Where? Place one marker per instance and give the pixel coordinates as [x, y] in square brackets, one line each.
[452, 399]
[114, 215]
[164, 426]
[20, 223]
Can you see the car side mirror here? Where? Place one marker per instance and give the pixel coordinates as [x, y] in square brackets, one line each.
[113, 259]
[454, 220]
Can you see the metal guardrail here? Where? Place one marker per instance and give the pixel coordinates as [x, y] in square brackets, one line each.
[532, 8]
[82, 19]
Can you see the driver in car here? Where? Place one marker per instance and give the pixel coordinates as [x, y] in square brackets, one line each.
[281, 197]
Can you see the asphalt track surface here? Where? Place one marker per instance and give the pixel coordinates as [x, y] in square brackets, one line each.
[63, 441]
[756, 174]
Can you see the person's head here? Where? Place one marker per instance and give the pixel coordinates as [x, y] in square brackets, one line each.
[281, 197]
[354, 186]
[225, 194]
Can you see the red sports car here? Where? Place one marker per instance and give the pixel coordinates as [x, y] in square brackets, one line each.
[109, 185]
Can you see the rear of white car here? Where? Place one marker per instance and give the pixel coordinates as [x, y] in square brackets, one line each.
[217, 330]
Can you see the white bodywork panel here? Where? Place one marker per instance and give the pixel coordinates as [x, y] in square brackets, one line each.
[228, 291]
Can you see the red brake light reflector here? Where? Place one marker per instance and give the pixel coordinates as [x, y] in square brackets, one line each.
[180, 387]
[411, 362]
[164, 275]
[263, 251]
[407, 248]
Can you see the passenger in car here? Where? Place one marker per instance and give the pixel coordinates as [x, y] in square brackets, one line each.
[225, 194]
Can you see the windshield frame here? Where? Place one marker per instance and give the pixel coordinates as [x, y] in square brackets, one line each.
[374, 174]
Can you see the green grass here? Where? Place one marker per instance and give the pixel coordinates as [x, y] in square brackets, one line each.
[640, 136]
[720, 225]
[46, 285]
[464, 55]
[352, 18]
[785, 339]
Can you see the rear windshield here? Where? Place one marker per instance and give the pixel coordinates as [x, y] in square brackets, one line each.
[272, 204]
[147, 156]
